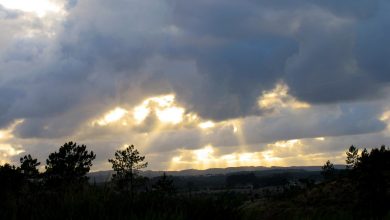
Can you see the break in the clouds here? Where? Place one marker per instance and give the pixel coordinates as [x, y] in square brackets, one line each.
[233, 78]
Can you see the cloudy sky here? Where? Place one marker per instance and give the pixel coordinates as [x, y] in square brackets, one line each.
[195, 84]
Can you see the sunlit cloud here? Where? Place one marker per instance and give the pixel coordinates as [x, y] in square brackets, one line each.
[112, 116]
[164, 108]
[140, 113]
[385, 117]
[172, 115]
[208, 157]
[278, 98]
[7, 133]
[206, 124]
[204, 155]
[39, 7]
[280, 153]
[7, 150]
[286, 144]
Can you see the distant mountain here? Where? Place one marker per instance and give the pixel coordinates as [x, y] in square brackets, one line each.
[105, 176]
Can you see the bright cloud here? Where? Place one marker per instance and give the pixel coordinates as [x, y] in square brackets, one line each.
[207, 157]
[279, 98]
[207, 124]
[112, 116]
[39, 7]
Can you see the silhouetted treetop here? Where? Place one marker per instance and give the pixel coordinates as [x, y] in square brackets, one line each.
[126, 164]
[328, 170]
[28, 166]
[10, 178]
[71, 163]
[352, 157]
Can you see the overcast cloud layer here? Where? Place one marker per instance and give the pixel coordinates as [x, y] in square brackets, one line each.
[60, 71]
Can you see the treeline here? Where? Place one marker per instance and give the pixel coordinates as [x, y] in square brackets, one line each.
[361, 191]
[62, 191]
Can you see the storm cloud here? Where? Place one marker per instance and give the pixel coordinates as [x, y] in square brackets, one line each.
[60, 71]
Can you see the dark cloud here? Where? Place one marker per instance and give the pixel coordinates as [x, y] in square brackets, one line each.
[216, 56]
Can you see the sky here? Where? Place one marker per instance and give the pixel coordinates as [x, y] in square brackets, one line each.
[195, 84]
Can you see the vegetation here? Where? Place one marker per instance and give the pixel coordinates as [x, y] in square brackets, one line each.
[126, 164]
[362, 191]
[328, 170]
[69, 165]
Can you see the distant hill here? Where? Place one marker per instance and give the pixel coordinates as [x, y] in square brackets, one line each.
[104, 176]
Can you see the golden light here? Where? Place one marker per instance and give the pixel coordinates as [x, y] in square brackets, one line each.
[279, 98]
[7, 150]
[320, 138]
[239, 134]
[163, 106]
[207, 124]
[245, 157]
[176, 159]
[7, 133]
[140, 113]
[285, 144]
[385, 116]
[207, 158]
[268, 156]
[205, 154]
[112, 116]
[173, 115]
[163, 101]
[39, 7]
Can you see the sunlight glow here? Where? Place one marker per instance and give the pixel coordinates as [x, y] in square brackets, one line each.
[140, 113]
[7, 150]
[39, 7]
[173, 115]
[205, 154]
[7, 133]
[207, 157]
[163, 106]
[112, 116]
[279, 98]
[268, 156]
[286, 144]
[207, 124]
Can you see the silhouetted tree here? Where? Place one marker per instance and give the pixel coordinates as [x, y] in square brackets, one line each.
[70, 164]
[352, 157]
[11, 180]
[126, 164]
[373, 181]
[165, 185]
[28, 167]
[328, 170]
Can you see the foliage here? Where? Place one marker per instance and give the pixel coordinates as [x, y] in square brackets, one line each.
[328, 170]
[164, 185]
[28, 167]
[372, 175]
[126, 164]
[361, 192]
[352, 157]
[69, 165]
[11, 180]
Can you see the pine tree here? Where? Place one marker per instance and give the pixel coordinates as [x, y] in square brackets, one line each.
[126, 164]
[352, 157]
